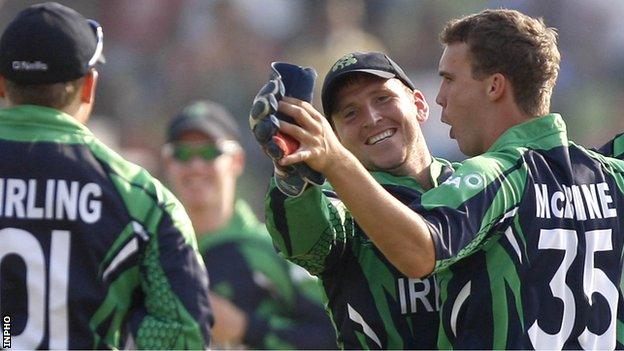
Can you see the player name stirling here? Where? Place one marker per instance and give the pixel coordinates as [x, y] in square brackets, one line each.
[581, 202]
[51, 199]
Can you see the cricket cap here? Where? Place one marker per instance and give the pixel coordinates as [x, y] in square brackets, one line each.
[206, 117]
[375, 63]
[49, 43]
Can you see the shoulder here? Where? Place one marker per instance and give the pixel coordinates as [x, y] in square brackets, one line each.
[145, 197]
[487, 172]
[128, 177]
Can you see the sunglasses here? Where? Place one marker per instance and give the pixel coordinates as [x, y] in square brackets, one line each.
[184, 152]
[99, 35]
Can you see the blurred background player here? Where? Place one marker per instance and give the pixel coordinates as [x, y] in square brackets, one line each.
[259, 300]
[92, 247]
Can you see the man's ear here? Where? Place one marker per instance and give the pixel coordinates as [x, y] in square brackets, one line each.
[421, 105]
[496, 86]
[2, 88]
[238, 161]
[87, 95]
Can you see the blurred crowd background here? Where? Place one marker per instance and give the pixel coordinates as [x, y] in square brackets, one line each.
[163, 54]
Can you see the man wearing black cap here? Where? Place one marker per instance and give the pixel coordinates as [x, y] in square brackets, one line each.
[376, 111]
[259, 300]
[93, 249]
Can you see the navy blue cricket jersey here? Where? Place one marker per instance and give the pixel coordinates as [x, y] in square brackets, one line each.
[92, 248]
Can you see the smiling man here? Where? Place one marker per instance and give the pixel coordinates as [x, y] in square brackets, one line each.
[376, 112]
[524, 237]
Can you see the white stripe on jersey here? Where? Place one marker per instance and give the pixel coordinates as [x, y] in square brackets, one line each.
[357, 318]
[131, 247]
[459, 301]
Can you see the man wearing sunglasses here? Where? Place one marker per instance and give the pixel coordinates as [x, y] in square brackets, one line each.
[259, 300]
[92, 248]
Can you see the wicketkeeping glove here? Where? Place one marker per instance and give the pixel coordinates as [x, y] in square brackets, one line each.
[286, 80]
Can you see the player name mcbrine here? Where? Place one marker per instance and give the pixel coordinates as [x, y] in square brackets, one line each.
[580, 202]
[61, 200]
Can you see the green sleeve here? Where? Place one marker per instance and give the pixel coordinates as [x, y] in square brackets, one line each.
[173, 311]
[614, 148]
[477, 201]
[310, 229]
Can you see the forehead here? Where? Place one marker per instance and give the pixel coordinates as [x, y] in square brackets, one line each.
[455, 56]
[362, 83]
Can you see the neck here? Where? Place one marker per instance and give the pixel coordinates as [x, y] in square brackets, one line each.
[419, 164]
[500, 122]
[210, 219]
[421, 171]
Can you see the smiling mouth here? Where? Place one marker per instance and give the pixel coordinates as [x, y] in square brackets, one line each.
[380, 137]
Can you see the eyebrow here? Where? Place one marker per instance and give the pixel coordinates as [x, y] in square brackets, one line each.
[445, 74]
[381, 89]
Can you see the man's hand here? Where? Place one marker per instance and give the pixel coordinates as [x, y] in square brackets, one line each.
[319, 146]
[264, 120]
[230, 322]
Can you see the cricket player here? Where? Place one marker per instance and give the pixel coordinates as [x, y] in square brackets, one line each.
[92, 248]
[524, 238]
[376, 112]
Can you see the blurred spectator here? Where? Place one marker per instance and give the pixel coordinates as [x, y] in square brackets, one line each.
[261, 301]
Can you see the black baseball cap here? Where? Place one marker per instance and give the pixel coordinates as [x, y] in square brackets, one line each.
[49, 43]
[375, 63]
[206, 117]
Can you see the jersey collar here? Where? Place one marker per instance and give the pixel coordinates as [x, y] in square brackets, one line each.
[439, 170]
[47, 123]
[550, 128]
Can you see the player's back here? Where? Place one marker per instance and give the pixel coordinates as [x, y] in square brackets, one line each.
[570, 217]
[548, 277]
[529, 244]
[75, 223]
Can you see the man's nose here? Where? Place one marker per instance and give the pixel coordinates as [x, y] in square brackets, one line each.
[372, 117]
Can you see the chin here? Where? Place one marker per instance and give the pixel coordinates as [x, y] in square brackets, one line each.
[390, 166]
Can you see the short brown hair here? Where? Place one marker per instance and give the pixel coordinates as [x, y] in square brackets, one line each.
[55, 95]
[520, 47]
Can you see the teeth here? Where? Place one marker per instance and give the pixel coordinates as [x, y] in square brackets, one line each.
[379, 137]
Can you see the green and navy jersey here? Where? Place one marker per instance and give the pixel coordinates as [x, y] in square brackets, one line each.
[283, 305]
[92, 248]
[529, 244]
[614, 148]
[372, 305]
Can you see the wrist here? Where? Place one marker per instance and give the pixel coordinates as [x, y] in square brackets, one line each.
[343, 164]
